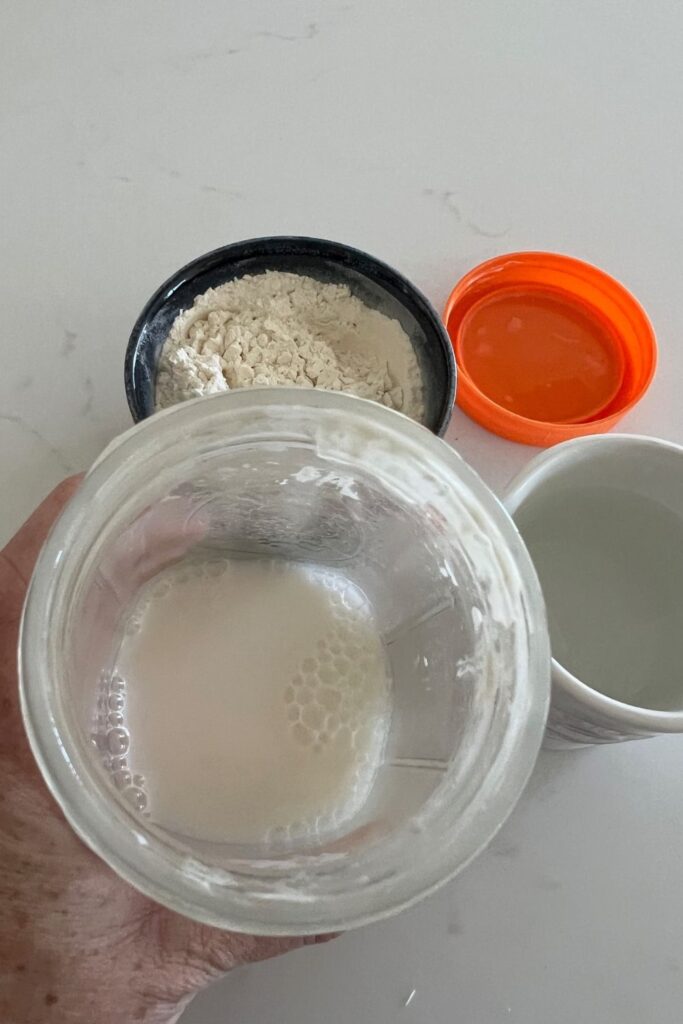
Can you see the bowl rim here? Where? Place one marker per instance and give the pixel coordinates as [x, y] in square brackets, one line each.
[305, 245]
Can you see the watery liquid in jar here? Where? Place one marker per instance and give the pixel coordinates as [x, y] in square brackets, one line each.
[253, 698]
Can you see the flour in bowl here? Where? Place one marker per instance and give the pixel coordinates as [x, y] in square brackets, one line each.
[278, 328]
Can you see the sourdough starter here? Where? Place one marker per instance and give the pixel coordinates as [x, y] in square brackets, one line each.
[256, 698]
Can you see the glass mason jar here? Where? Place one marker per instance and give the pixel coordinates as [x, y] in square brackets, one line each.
[328, 480]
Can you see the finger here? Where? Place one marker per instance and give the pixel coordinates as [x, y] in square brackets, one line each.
[162, 534]
[217, 951]
[210, 952]
[16, 565]
[157, 538]
[22, 551]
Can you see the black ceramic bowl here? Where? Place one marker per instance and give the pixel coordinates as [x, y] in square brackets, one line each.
[371, 280]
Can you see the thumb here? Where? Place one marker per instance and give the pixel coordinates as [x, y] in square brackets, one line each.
[22, 551]
[16, 565]
[195, 954]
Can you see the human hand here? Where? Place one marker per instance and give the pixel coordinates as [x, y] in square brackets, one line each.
[77, 944]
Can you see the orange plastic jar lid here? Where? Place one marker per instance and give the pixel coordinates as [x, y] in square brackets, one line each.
[548, 347]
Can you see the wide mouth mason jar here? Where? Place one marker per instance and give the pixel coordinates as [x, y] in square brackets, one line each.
[328, 483]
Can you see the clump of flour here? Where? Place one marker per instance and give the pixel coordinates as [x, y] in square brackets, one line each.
[280, 328]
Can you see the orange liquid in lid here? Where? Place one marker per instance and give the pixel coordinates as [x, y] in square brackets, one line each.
[541, 356]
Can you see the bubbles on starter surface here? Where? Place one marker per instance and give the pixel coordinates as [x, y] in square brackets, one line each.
[111, 735]
[337, 702]
[112, 740]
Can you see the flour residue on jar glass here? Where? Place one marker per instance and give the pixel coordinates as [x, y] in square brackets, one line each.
[254, 700]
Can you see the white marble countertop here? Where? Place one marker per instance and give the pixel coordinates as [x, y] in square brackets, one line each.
[138, 135]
